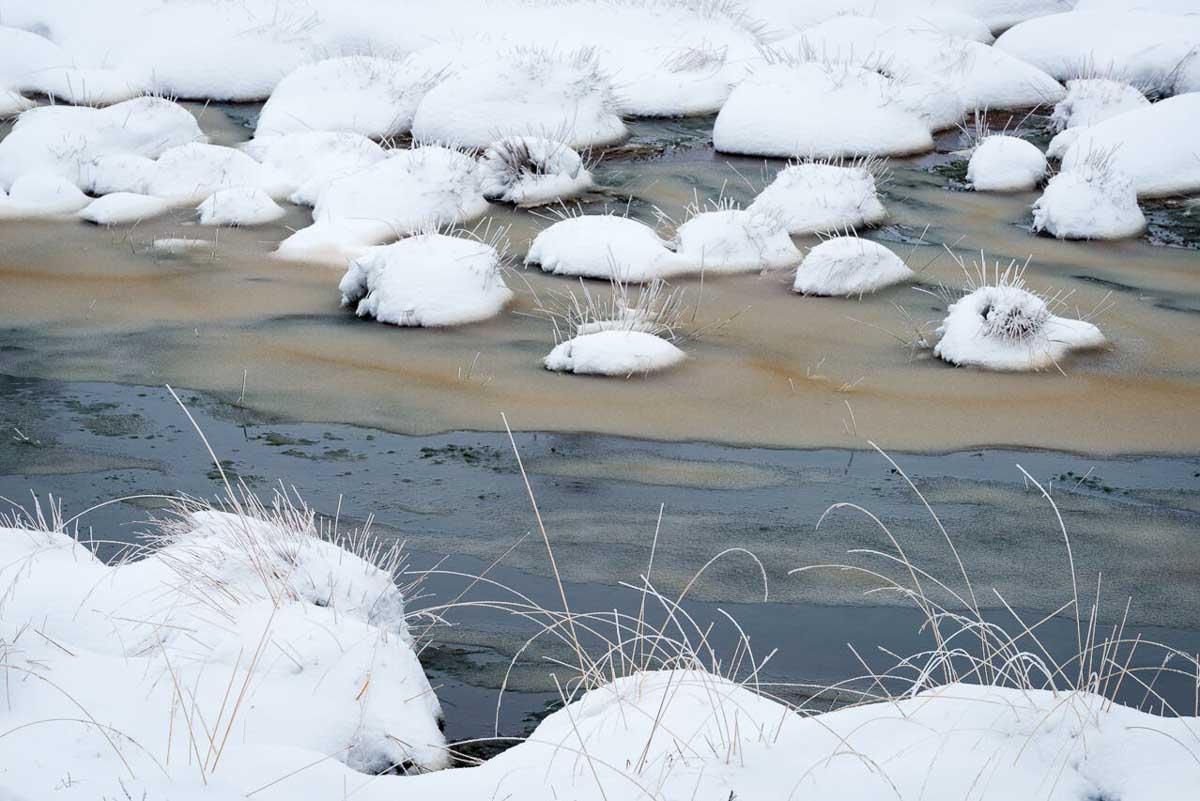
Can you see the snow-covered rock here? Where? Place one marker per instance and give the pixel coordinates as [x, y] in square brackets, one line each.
[41, 194]
[819, 109]
[427, 280]
[1156, 146]
[1003, 163]
[731, 240]
[848, 266]
[1093, 100]
[34, 64]
[13, 103]
[613, 352]
[532, 171]
[525, 91]
[1092, 201]
[190, 173]
[239, 205]
[681, 82]
[119, 208]
[815, 197]
[308, 160]
[602, 246]
[374, 97]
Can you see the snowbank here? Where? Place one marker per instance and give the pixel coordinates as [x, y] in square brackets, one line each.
[1093, 100]
[815, 197]
[1092, 201]
[240, 205]
[602, 246]
[427, 280]
[731, 240]
[41, 194]
[119, 208]
[848, 266]
[31, 63]
[1005, 164]
[614, 353]
[305, 162]
[532, 171]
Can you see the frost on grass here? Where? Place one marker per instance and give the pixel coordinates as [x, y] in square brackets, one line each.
[1092, 201]
[814, 196]
[1002, 325]
[1003, 163]
[727, 239]
[306, 161]
[848, 266]
[429, 279]
[602, 246]
[524, 91]
[532, 171]
[1093, 100]
[241, 205]
[41, 194]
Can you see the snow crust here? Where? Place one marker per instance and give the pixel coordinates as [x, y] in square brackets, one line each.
[812, 197]
[602, 246]
[1093, 100]
[614, 352]
[735, 240]
[1006, 164]
[848, 266]
[241, 205]
[1093, 201]
[532, 171]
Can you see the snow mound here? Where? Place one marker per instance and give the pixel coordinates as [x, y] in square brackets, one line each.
[532, 171]
[1005, 164]
[241, 205]
[411, 190]
[1156, 146]
[427, 280]
[601, 246]
[613, 353]
[41, 194]
[34, 64]
[119, 208]
[374, 97]
[192, 172]
[67, 140]
[684, 81]
[818, 109]
[1093, 201]
[525, 91]
[306, 161]
[1093, 100]
[731, 240]
[1006, 327]
[13, 103]
[815, 197]
[848, 266]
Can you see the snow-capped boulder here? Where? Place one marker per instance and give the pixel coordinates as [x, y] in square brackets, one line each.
[680, 82]
[308, 160]
[41, 194]
[427, 280]
[532, 171]
[119, 208]
[1093, 100]
[848, 266]
[13, 103]
[366, 95]
[602, 246]
[190, 173]
[731, 240]
[239, 205]
[815, 197]
[613, 352]
[1005, 164]
[34, 64]
[525, 91]
[1092, 201]
[818, 109]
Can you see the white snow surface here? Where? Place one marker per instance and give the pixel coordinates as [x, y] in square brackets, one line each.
[41, 194]
[192, 172]
[613, 352]
[1003, 163]
[239, 205]
[31, 63]
[119, 208]
[532, 171]
[602, 246]
[304, 162]
[734, 241]
[814, 197]
[1093, 100]
[848, 266]
[1092, 201]
[427, 280]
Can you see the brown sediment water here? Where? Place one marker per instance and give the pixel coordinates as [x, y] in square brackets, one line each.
[83, 302]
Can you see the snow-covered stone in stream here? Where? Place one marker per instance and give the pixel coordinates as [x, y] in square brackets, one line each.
[1004, 326]
[532, 171]
[374, 97]
[34, 64]
[1092, 201]
[680, 82]
[732, 240]
[1003, 163]
[239, 205]
[815, 197]
[67, 140]
[192, 172]
[13, 103]
[602, 246]
[407, 192]
[819, 109]
[848, 266]
[119, 208]
[427, 280]
[1093, 100]
[308, 160]
[41, 194]
[524, 91]
[613, 352]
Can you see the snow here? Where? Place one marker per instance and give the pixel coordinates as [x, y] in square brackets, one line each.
[1005, 164]
[602, 246]
[242, 205]
[1156, 146]
[731, 240]
[1093, 100]
[524, 91]
[118, 208]
[1006, 327]
[190, 173]
[1092, 201]
[427, 280]
[532, 171]
[614, 352]
[306, 161]
[848, 266]
[13, 103]
[402, 194]
[817, 109]
[367, 95]
[32, 63]
[815, 197]
[41, 194]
